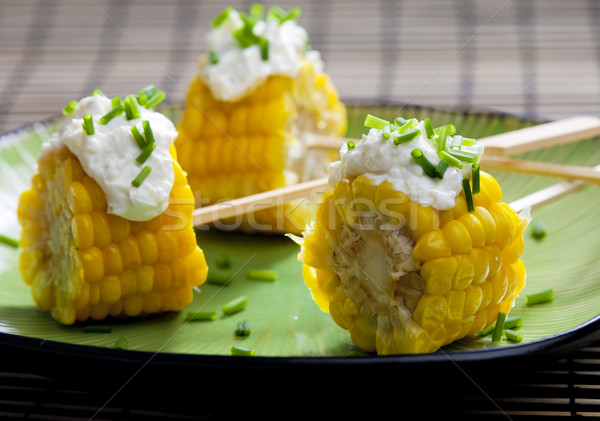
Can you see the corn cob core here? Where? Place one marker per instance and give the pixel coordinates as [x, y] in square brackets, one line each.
[83, 263]
[407, 278]
[258, 143]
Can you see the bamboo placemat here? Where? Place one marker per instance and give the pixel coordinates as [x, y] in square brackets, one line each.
[538, 59]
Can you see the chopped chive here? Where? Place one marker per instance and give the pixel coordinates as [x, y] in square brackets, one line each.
[513, 336]
[148, 91]
[450, 129]
[512, 322]
[88, 124]
[263, 44]
[195, 316]
[456, 143]
[476, 178]
[243, 328]
[407, 137]
[449, 159]
[137, 136]
[409, 124]
[386, 132]
[98, 92]
[111, 114]
[277, 13]
[224, 261]
[441, 168]
[142, 99]
[441, 141]
[213, 57]
[148, 131]
[218, 278]
[237, 350]
[467, 141]
[70, 107]
[540, 297]
[244, 35]
[257, 11]
[116, 102]
[155, 99]
[121, 343]
[538, 229]
[350, 145]
[98, 329]
[468, 195]
[9, 241]
[131, 107]
[221, 17]
[373, 122]
[141, 176]
[399, 121]
[486, 331]
[464, 156]
[421, 159]
[428, 128]
[262, 275]
[146, 152]
[235, 306]
[497, 334]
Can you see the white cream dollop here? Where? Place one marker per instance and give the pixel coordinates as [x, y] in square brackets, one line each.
[109, 157]
[238, 71]
[380, 160]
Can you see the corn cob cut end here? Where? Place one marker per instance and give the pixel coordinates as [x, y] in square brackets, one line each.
[82, 263]
[404, 278]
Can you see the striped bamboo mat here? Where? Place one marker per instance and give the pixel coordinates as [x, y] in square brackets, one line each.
[537, 59]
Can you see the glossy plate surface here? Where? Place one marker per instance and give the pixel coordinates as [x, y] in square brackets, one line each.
[285, 321]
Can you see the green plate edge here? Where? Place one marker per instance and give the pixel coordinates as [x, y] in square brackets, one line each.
[285, 321]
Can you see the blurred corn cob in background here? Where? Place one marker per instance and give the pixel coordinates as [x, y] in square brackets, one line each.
[82, 260]
[399, 254]
[251, 111]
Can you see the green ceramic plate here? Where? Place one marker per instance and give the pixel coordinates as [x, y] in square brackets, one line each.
[285, 321]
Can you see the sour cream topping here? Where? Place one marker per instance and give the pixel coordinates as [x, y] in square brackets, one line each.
[380, 160]
[109, 157]
[240, 70]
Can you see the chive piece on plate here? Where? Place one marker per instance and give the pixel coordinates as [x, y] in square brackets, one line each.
[243, 328]
[196, 316]
[262, 275]
[9, 241]
[224, 261]
[121, 343]
[513, 322]
[540, 297]
[88, 124]
[145, 172]
[497, 335]
[235, 306]
[538, 229]
[237, 350]
[218, 278]
[513, 336]
[98, 329]
[468, 195]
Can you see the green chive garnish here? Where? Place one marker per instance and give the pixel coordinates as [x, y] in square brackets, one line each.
[456, 143]
[428, 128]
[98, 92]
[281, 15]
[235, 306]
[540, 297]
[421, 159]
[407, 137]
[513, 336]
[487, 330]
[243, 328]
[218, 278]
[88, 124]
[137, 136]
[263, 43]
[441, 141]
[213, 57]
[441, 168]
[468, 195]
[450, 129]
[262, 275]
[467, 141]
[237, 350]
[373, 122]
[121, 343]
[224, 261]
[538, 229]
[350, 145]
[155, 99]
[464, 156]
[148, 131]
[257, 11]
[148, 91]
[387, 131]
[70, 107]
[221, 17]
[137, 181]
[476, 178]
[195, 316]
[111, 114]
[512, 322]
[9, 241]
[146, 152]
[399, 121]
[131, 107]
[98, 329]
[497, 335]
[449, 159]
[408, 124]
[116, 102]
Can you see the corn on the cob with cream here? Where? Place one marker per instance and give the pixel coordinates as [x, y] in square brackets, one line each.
[98, 238]
[252, 109]
[414, 248]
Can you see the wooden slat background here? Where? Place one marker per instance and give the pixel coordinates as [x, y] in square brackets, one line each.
[534, 58]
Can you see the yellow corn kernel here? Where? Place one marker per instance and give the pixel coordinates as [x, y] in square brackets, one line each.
[439, 274]
[392, 204]
[78, 199]
[431, 246]
[113, 262]
[83, 231]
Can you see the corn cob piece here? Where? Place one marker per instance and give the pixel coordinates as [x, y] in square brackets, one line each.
[405, 278]
[84, 263]
[258, 142]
